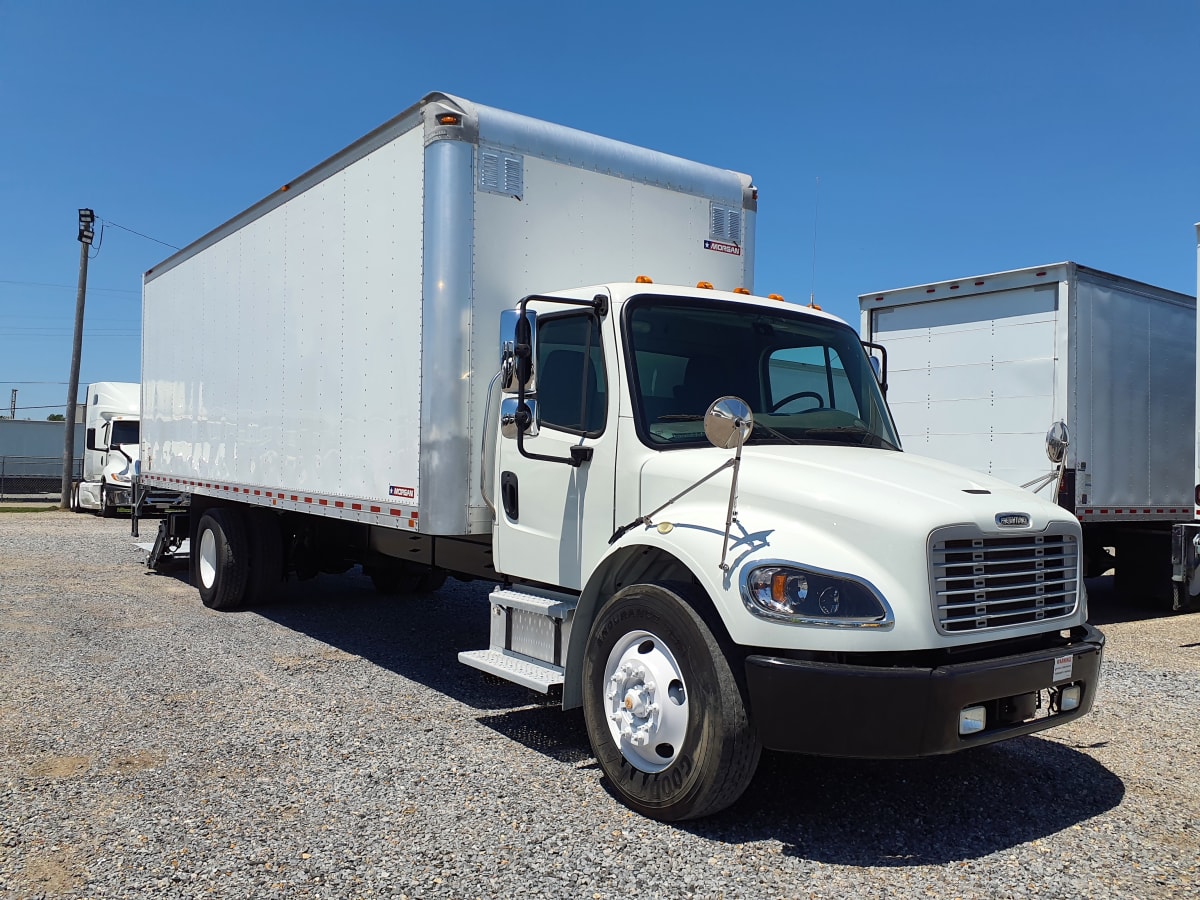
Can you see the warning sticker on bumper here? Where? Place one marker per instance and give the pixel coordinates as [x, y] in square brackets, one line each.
[1063, 666]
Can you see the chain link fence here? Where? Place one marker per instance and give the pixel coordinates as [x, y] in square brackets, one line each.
[34, 477]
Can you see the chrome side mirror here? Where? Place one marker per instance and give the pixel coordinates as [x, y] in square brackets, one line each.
[1058, 439]
[517, 339]
[512, 416]
[728, 422]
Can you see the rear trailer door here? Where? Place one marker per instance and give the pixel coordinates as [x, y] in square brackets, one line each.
[973, 380]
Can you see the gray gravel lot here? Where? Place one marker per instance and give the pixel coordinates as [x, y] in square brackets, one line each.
[330, 745]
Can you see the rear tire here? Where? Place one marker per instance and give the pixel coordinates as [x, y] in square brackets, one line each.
[662, 707]
[220, 558]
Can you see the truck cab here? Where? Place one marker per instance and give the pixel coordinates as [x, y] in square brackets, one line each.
[803, 585]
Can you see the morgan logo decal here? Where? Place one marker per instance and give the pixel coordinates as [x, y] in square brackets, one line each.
[404, 493]
[1012, 520]
[723, 247]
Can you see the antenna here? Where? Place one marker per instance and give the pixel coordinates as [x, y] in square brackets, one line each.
[812, 294]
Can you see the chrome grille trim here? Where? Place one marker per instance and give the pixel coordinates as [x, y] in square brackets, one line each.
[980, 583]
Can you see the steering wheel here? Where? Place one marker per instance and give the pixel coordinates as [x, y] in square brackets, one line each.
[799, 396]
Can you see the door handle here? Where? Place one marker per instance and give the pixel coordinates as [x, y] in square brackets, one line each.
[508, 494]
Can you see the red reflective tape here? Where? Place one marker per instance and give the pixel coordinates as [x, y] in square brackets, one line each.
[294, 497]
[356, 506]
[376, 509]
[339, 504]
[308, 499]
[396, 512]
[323, 502]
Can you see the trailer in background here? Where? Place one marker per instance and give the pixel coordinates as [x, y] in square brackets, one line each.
[981, 370]
[1185, 537]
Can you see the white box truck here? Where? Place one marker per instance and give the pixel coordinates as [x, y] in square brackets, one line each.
[690, 498]
[111, 447]
[998, 372]
[1185, 536]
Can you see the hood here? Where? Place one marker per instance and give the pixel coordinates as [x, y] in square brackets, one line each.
[848, 486]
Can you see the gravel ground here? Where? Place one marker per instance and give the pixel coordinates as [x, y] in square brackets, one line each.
[330, 745]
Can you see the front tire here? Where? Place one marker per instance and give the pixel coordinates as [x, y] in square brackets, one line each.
[662, 707]
[107, 509]
[220, 559]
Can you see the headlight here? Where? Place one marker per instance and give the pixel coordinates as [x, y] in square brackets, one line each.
[121, 477]
[803, 597]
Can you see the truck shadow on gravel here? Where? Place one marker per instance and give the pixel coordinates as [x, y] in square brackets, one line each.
[1106, 606]
[417, 636]
[917, 812]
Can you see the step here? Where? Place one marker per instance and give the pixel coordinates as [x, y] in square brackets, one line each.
[557, 607]
[518, 669]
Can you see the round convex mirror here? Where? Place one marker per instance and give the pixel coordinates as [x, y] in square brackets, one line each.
[728, 422]
[1058, 438]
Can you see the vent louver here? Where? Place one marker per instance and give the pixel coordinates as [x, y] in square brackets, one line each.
[725, 223]
[501, 172]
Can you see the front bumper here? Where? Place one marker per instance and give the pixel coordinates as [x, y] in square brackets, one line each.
[893, 712]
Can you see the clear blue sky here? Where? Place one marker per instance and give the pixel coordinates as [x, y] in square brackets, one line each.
[950, 138]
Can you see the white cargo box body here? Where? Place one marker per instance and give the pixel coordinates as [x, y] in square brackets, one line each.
[980, 368]
[330, 349]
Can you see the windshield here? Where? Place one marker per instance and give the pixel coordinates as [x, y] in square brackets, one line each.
[806, 378]
[124, 431]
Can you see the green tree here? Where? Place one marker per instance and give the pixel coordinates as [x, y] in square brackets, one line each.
[56, 417]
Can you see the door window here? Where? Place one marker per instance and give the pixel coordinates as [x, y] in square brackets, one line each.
[572, 390]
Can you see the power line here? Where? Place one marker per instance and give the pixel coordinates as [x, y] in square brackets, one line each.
[70, 286]
[138, 233]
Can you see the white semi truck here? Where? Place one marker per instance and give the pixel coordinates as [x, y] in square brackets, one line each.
[691, 499]
[111, 447]
[992, 372]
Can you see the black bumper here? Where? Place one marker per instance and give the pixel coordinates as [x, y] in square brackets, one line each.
[893, 712]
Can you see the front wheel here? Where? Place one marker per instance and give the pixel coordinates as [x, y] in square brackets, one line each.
[663, 711]
[107, 508]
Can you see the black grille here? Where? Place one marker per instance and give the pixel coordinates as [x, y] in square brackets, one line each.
[992, 582]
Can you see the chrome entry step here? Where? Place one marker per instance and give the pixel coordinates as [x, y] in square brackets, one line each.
[555, 607]
[530, 634]
[515, 668]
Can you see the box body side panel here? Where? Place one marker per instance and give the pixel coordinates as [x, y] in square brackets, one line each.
[1134, 413]
[287, 354]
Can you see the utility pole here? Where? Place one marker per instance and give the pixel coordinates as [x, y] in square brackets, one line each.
[86, 220]
[12, 405]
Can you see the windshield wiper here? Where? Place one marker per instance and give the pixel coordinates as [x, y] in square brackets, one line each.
[883, 443]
